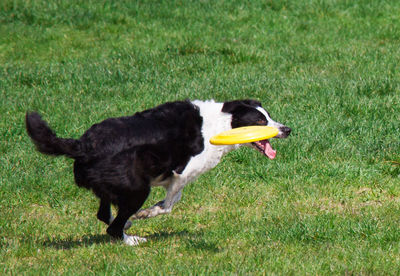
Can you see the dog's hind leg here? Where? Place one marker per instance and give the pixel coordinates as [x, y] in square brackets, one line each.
[105, 215]
[128, 204]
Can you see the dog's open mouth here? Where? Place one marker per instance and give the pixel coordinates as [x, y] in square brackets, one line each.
[265, 148]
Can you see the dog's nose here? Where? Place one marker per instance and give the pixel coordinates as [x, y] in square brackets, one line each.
[286, 130]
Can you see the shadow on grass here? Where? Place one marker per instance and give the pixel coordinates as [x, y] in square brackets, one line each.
[193, 240]
[72, 242]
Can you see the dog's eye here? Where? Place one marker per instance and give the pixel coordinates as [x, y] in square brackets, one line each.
[261, 122]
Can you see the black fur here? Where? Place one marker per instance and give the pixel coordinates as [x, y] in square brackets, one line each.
[46, 140]
[244, 113]
[117, 158]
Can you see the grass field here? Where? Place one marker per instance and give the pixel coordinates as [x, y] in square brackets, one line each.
[328, 204]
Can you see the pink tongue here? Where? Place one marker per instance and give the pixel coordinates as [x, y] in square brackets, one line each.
[268, 150]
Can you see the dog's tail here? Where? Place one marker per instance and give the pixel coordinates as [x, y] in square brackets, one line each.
[46, 140]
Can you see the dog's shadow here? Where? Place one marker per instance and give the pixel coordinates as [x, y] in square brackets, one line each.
[189, 239]
[73, 242]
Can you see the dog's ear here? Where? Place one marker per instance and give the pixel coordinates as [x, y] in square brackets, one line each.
[229, 107]
[253, 103]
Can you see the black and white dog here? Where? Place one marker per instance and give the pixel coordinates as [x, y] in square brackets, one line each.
[120, 159]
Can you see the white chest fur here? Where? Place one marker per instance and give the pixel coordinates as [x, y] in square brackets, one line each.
[214, 122]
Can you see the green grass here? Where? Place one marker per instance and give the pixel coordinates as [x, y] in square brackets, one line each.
[328, 204]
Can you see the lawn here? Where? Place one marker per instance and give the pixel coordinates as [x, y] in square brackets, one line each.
[328, 204]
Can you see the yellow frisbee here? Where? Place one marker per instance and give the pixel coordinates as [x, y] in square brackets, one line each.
[243, 135]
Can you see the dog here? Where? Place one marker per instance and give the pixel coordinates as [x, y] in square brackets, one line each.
[120, 159]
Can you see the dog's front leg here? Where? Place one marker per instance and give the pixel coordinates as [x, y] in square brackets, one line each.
[174, 194]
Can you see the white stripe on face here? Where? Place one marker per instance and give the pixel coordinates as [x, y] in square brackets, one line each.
[270, 121]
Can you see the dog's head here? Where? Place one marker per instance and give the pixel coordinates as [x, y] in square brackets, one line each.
[251, 113]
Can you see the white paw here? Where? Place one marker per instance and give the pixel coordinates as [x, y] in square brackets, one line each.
[133, 240]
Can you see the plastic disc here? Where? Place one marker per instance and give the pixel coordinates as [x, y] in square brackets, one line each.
[243, 135]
